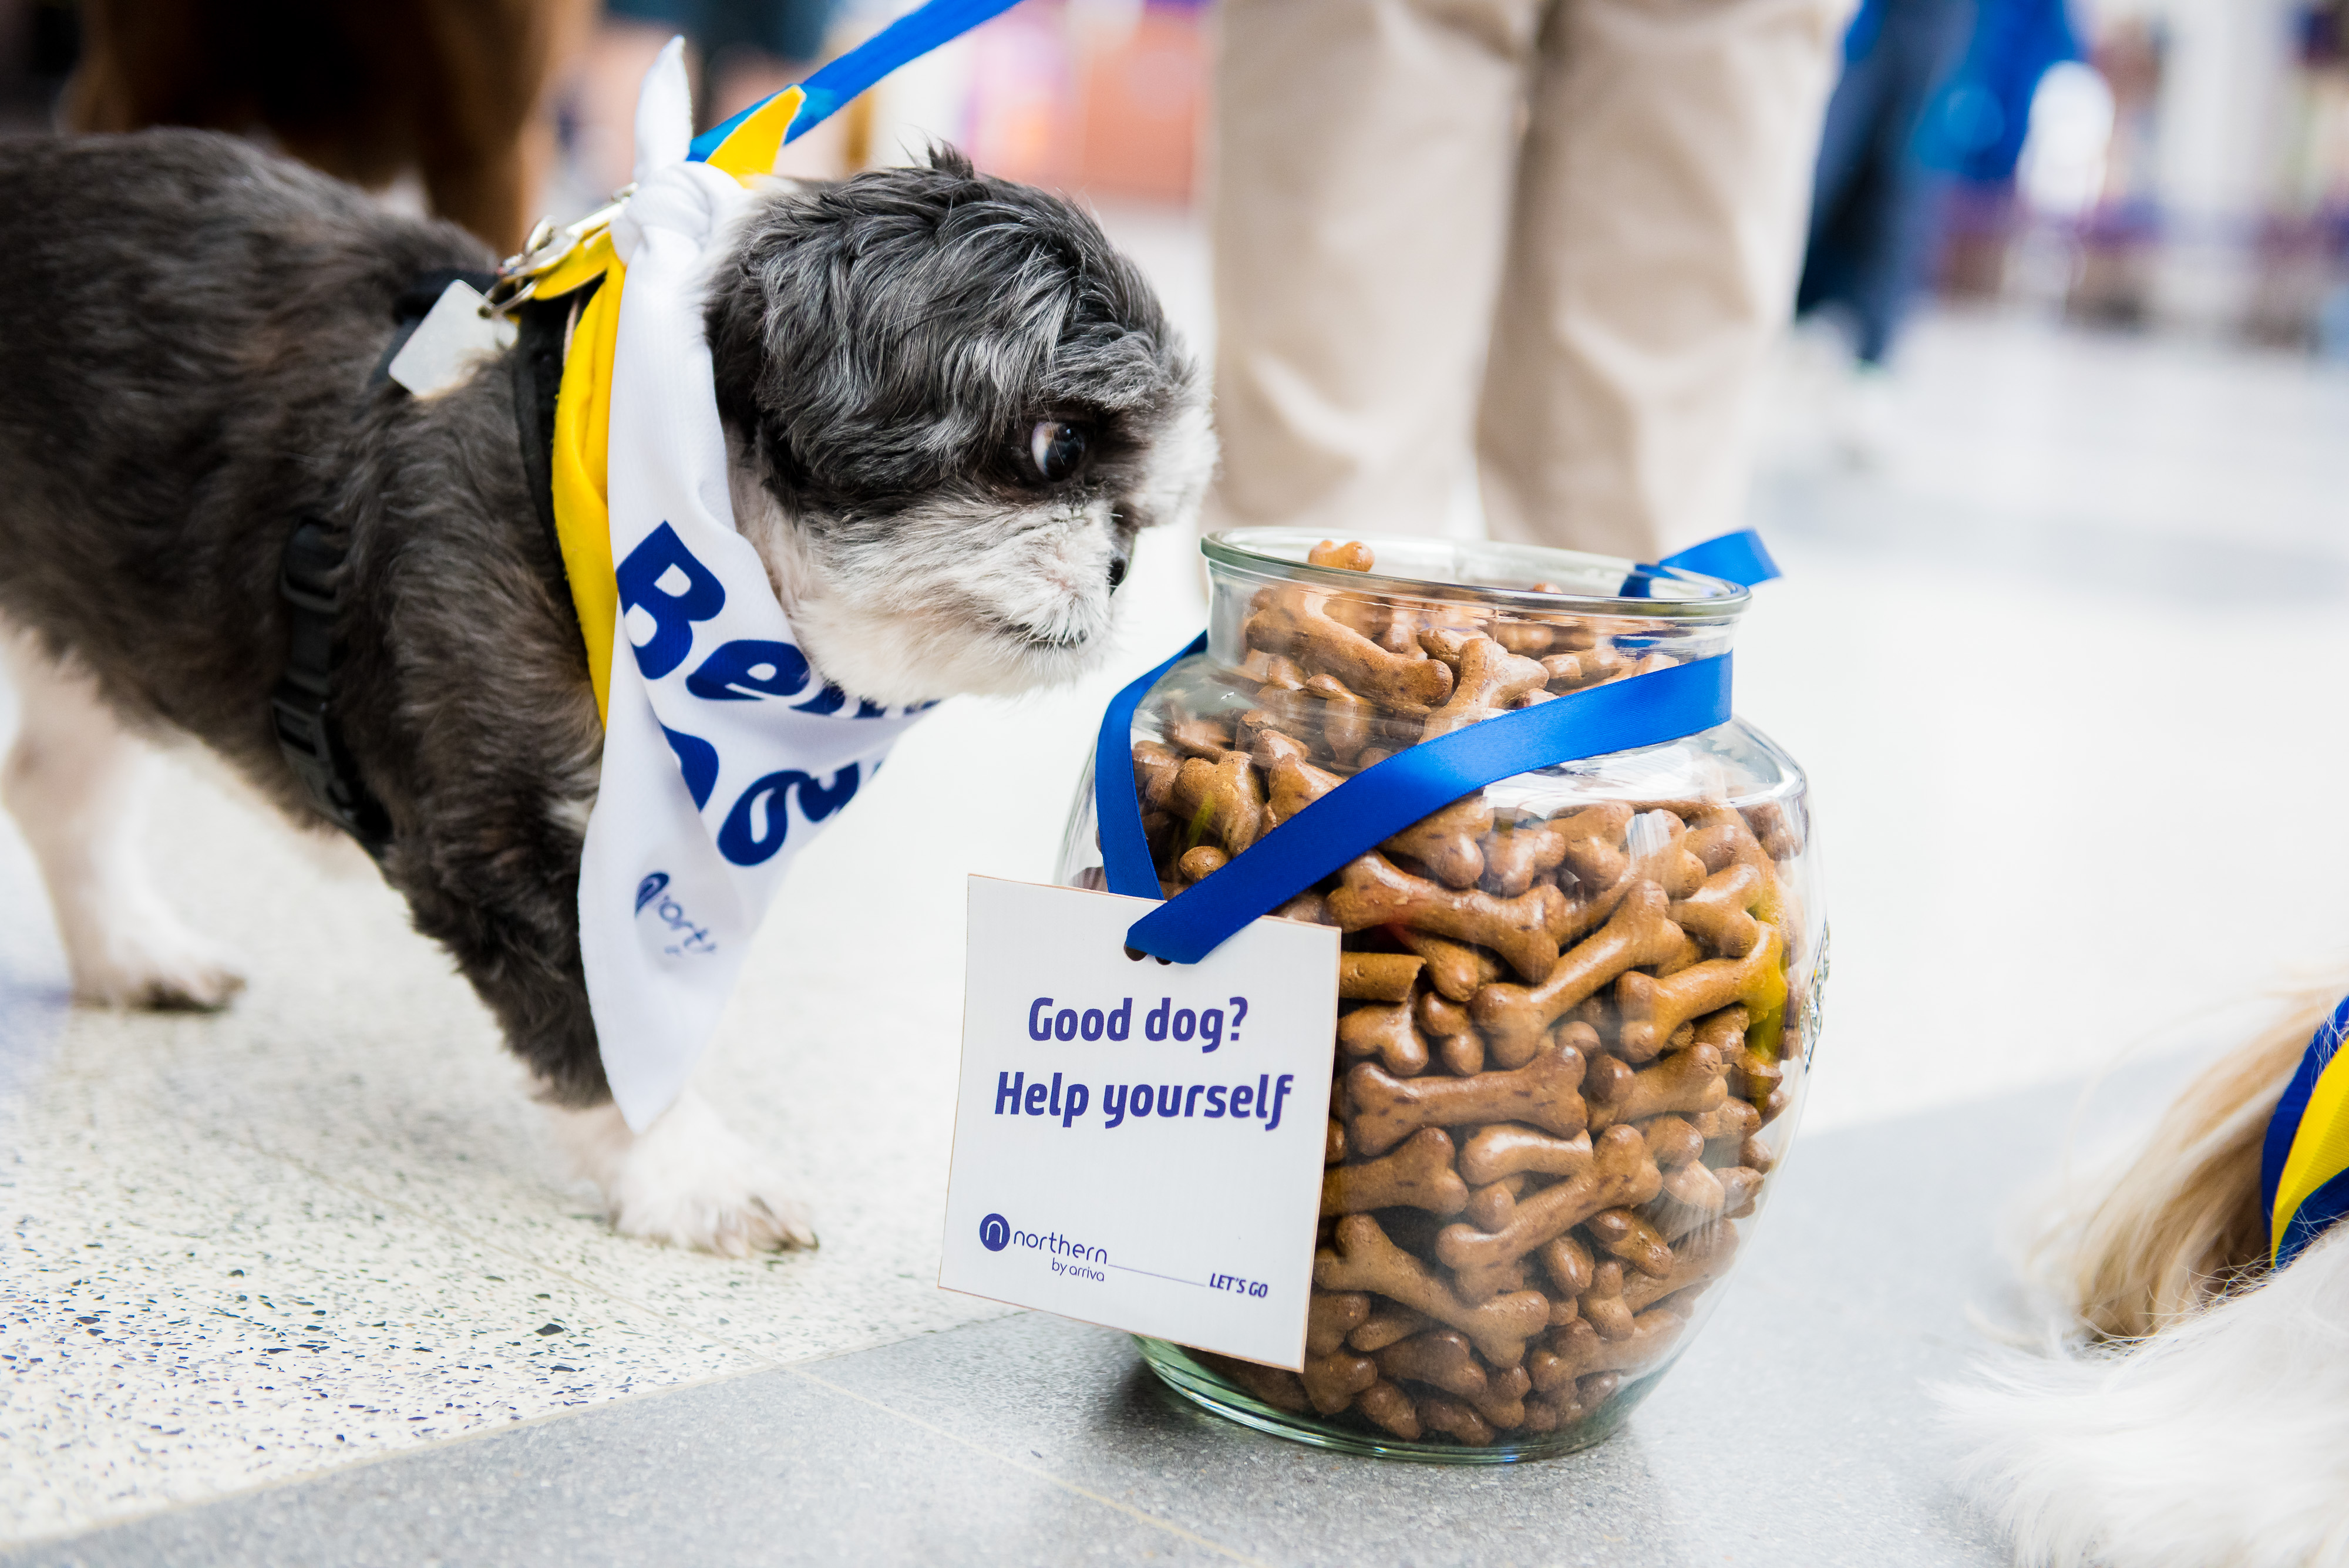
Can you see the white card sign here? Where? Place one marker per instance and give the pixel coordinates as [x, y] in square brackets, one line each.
[1139, 1144]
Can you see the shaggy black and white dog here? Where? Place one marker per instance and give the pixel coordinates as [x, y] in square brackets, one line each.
[951, 404]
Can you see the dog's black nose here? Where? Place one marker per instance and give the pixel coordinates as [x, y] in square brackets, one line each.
[1117, 564]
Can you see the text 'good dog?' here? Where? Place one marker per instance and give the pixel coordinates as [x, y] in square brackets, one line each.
[1165, 1021]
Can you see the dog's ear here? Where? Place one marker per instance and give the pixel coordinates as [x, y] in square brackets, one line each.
[947, 159]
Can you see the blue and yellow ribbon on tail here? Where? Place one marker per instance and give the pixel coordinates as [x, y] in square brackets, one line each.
[2304, 1166]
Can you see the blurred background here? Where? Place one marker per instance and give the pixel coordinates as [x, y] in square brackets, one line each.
[2163, 165]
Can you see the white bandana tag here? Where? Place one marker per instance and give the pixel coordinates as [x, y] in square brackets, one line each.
[724, 751]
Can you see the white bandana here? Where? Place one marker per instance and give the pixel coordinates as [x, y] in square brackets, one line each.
[724, 751]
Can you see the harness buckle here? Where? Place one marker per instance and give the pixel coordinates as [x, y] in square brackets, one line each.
[547, 248]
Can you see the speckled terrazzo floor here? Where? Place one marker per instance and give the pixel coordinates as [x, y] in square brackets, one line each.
[2035, 663]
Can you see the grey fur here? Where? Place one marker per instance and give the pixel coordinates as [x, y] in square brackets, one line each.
[190, 328]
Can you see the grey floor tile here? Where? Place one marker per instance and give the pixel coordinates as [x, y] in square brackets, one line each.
[1796, 1431]
[778, 1470]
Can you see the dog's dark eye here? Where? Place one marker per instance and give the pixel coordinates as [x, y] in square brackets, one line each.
[1056, 447]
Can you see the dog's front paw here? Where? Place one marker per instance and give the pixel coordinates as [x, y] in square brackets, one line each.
[156, 963]
[688, 1180]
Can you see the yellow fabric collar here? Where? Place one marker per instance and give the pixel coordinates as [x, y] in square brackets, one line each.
[583, 425]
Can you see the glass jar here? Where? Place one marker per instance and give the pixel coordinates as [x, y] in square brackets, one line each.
[1576, 1010]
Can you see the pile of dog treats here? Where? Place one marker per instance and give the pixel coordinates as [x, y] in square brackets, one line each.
[1559, 1037]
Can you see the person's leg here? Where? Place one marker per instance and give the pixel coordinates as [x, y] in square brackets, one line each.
[1841, 180]
[1658, 226]
[1360, 191]
[1923, 42]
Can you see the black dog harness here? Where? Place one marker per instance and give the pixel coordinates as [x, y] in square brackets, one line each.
[311, 580]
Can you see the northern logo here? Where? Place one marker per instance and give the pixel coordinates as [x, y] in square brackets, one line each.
[994, 1232]
[653, 893]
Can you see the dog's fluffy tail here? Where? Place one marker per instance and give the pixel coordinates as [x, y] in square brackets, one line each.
[2182, 1224]
[2220, 1442]
[2211, 1424]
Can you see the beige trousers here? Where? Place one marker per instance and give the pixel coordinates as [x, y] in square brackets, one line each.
[1557, 233]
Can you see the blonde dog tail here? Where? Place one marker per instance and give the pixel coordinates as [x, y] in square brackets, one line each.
[2187, 1409]
[2181, 1224]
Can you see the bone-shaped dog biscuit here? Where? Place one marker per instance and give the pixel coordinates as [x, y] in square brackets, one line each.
[1198, 736]
[1656, 842]
[1672, 1141]
[1389, 1322]
[1385, 1030]
[1653, 1009]
[1733, 1120]
[1375, 977]
[1223, 795]
[1291, 783]
[1591, 843]
[1754, 1077]
[1353, 555]
[1516, 858]
[1374, 892]
[1448, 842]
[1384, 1109]
[1489, 1207]
[1503, 1402]
[1331, 1381]
[1455, 1419]
[1438, 1013]
[1631, 1239]
[1694, 1186]
[1276, 1386]
[1456, 970]
[1331, 1316]
[1441, 1358]
[1362, 1259]
[1462, 1055]
[1688, 1081]
[1781, 837]
[1490, 678]
[1702, 1257]
[1389, 1408]
[1418, 1175]
[1346, 719]
[1531, 637]
[1506, 1148]
[1576, 1351]
[1201, 861]
[1574, 1403]
[1154, 769]
[1296, 621]
[1717, 913]
[1601, 1303]
[1620, 1176]
[1568, 1263]
[1515, 1018]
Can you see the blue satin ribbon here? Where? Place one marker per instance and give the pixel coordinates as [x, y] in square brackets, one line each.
[1380, 800]
[907, 39]
[1740, 557]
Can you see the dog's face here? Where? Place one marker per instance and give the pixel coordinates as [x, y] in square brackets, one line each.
[952, 407]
